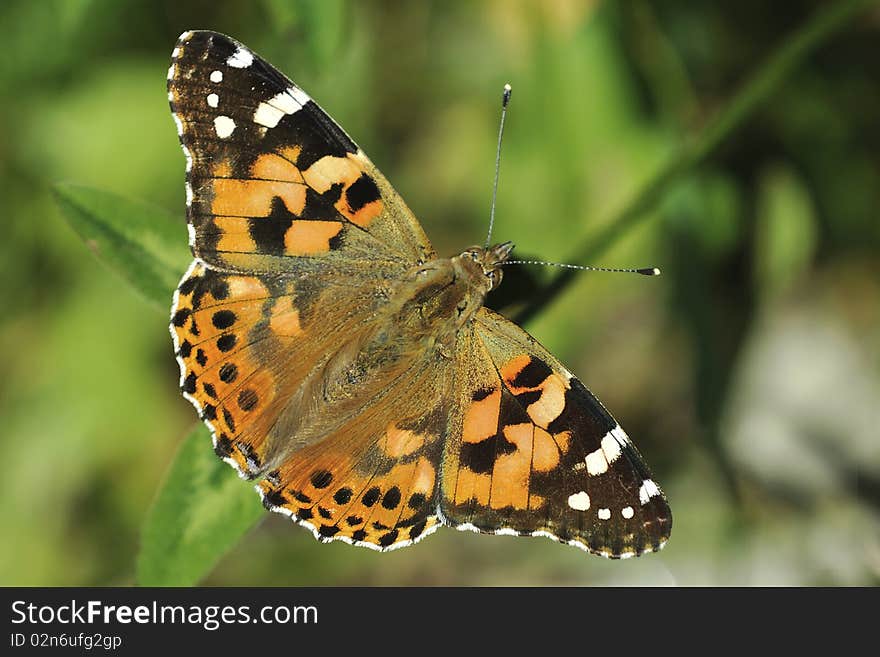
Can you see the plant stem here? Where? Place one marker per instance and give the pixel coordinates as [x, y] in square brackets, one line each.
[817, 30]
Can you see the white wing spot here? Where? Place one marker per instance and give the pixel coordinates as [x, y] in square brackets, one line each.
[648, 490]
[241, 58]
[596, 462]
[267, 115]
[299, 95]
[611, 447]
[609, 451]
[224, 126]
[216, 76]
[290, 101]
[627, 512]
[213, 100]
[621, 436]
[579, 501]
[604, 514]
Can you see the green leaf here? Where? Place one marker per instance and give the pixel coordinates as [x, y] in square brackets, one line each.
[142, 242]
[200, 512]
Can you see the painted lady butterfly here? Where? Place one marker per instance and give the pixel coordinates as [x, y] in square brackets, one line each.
[356, 375]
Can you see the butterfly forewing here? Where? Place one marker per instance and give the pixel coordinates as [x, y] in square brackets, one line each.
[271, 177]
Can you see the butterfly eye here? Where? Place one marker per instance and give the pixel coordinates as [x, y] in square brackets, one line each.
[494, 277]
[472, 255]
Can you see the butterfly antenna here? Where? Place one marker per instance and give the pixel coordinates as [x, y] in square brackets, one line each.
[644, 271]
[505, 99]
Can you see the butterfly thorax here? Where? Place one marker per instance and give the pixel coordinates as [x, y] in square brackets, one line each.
[425, 311]
[440, 297]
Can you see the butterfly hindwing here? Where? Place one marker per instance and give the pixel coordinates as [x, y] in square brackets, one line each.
[245, 344]
[270, 176]
[533, 452]
[372, 480]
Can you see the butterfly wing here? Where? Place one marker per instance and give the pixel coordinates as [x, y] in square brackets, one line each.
[372, 481]
[246, 343]
[297, 237]
[273, 183]
[532, 452]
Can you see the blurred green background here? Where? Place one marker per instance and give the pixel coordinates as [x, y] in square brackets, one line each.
[747, 373]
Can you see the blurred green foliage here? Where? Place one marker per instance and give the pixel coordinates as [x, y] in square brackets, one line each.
[137, 240]
[747, 374]
[199, 513]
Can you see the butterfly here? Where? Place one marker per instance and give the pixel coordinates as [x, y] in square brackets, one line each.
[347, 369]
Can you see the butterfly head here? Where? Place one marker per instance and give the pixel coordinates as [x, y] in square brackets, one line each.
[487, 261]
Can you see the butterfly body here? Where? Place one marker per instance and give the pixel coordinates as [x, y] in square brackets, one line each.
[356, 376]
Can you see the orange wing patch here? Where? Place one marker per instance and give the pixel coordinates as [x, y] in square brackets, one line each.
[222, 371]
[525, 376]
[284, 319]
[481, 418]
[399, 442]
[472, 488]
[473, 483]
[302, 238]
[278, 166]
[342, 496]
[513, 367]
[271, 175]
[254, 198]
[310, 237]
[360, 201]
[546, 449]
[510, 472]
